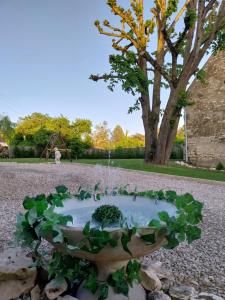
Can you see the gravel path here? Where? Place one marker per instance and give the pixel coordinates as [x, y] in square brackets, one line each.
[201, 264]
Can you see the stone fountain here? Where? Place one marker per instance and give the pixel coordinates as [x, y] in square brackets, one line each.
[137, 211]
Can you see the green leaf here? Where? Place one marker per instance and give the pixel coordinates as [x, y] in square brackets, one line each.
[171, 196]
[133, 271]
[41, 206]
[103, 291]
[125, 239]
[149, 238]
[118, 281]
[193, 233]
[32, 216]
[164, 216]
[57, 282]
[86, 229]
[91, 284]
[172, 242]
[28, 203]
[58, 234]
[57, 200]
[61, 189]
[155, 224]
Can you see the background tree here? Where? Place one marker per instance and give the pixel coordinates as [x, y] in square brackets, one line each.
[30, 124]
[101, 136]
[7, 129]
[117, 135]
[185, 31]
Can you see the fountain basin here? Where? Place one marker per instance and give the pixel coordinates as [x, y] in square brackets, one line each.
[138, 213]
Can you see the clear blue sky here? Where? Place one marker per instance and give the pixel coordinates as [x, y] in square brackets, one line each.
[48, 50]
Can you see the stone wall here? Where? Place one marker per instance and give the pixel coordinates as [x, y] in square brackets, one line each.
[206, 118]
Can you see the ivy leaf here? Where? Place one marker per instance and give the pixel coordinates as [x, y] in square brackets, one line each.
[61, 189]
[149, 238]
[171, 196]
[133, 271]
[57, 200]
[164, 216]
[28, 203]
[57, 282]
[58, 238]
[91, 284]
[118, 281]
[103, 291]
[155, 224]
[126, 238]
[86, 229]
[193, 233]
[41, 206]
[32, 216]
[172, 242]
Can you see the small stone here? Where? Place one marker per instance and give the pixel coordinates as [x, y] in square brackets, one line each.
[35, 293]
[150, 280]
[207, 296]
[159, 295]
[181, 292]
[136, 292]
[67, 297]
[166, 284]
[53, 291]
[158, 269]
[11, 289]
[14, 264]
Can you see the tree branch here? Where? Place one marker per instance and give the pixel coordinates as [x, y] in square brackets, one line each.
[159, 68]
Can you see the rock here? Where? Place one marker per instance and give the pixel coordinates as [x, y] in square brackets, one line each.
[150, 280]
[159, 295]
[67, 297]
[35, 293]
[206, 296]
[53, 290]
[158, 269]
[14, 264]
[137, 292]
[181, 292]
[166, 284]
[10, 289]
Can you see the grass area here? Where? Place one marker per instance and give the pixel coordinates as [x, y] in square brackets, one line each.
[26, 160]
[138, 164]
[172, 168]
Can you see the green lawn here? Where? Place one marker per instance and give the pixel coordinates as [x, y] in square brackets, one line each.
[172, 169]
[138, 164]
[26, 160]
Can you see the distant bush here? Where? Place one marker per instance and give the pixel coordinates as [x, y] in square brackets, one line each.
[178, 151]
[23, 152]
[126, 153]
[78, 147]
[219, 166]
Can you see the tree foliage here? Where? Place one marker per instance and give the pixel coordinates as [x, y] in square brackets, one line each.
[7, 129]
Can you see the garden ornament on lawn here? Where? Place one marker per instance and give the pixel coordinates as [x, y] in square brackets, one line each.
[57, 156]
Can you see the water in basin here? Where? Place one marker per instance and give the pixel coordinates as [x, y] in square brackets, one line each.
[136, 213]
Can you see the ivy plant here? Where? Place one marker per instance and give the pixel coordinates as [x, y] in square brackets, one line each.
[40, 222]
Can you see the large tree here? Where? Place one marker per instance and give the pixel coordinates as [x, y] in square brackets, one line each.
[161, 51]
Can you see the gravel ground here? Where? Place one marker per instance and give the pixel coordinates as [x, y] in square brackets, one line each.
[201, 264]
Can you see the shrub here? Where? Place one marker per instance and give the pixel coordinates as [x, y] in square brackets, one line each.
[220, 166]
[107, 214]
[23, 152]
